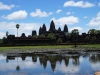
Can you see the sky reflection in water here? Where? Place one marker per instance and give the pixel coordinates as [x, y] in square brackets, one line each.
[43, 64]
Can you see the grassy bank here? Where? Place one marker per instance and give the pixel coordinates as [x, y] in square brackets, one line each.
[93, 46]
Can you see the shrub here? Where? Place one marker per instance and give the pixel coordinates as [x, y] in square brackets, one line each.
[51, 36]
[42, 35]
[59, 40]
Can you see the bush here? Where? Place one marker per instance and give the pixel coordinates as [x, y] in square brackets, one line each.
[35, 36]
[42, 35]
[59, 40]
[51, 36]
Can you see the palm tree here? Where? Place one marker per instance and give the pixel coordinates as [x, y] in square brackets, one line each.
[17, 67]
[75, 34]
[17, 26]
[7, 33]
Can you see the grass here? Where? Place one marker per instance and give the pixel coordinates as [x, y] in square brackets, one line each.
[51, 47]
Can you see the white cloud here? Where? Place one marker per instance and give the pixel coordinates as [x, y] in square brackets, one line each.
[66, 20]
[85, 17]
[6, 7]
[96, 67]
[21, 14]
[24, 28]
[39, 13]
[58, 11]
[95, 21]
[2, 34]
[99, 4]
[69, 69]
[78, 4]
[68, 13]
[79, 28]
[12, 66]
[2, 58]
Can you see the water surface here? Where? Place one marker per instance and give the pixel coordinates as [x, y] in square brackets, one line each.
[49, 64]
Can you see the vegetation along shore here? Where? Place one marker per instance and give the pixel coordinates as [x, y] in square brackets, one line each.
[19, 49]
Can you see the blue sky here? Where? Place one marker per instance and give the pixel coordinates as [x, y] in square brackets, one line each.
[31, 14]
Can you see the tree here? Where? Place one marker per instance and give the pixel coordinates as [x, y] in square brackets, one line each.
[4, 40]
[87, 38]
[17, 26]
[59, 40]
[42, 35]
[18, 67]
[68, 35]
[51, 36]
[98, 33]
[75, 34]
[92, 33]
[35, 36]
[7, 33]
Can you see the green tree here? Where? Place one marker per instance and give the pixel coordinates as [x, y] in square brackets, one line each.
[98, 33]
[93, 39]
[75, 34]
[59, 40]
[1, 40]
[42, 35]
[68, 35]
[17, 26]
[51, 36]
[92, 33]
[4, 40]
[87, 38]
[35, 36]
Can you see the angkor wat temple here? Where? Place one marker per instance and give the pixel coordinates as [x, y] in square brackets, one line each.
[38, 39]
[51, 36]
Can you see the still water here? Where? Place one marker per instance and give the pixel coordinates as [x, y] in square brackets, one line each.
[49, 64]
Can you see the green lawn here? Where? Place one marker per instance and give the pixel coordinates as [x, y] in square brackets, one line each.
[51, 47]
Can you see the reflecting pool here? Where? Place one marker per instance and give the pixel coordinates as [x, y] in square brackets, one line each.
[49, 63]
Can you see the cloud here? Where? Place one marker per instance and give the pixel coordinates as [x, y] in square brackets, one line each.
[2, 34]
[6, 7]
[96, 67]
[58, 11]
[99, 4]
[23, 65]
[39, 13]
[21, 14]
[78, 4]
[2, 58]
[69, 69]
[24, 28]
[68, 13]
[85, 17]
[79, 28]
[95, 21]
[66, 20]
